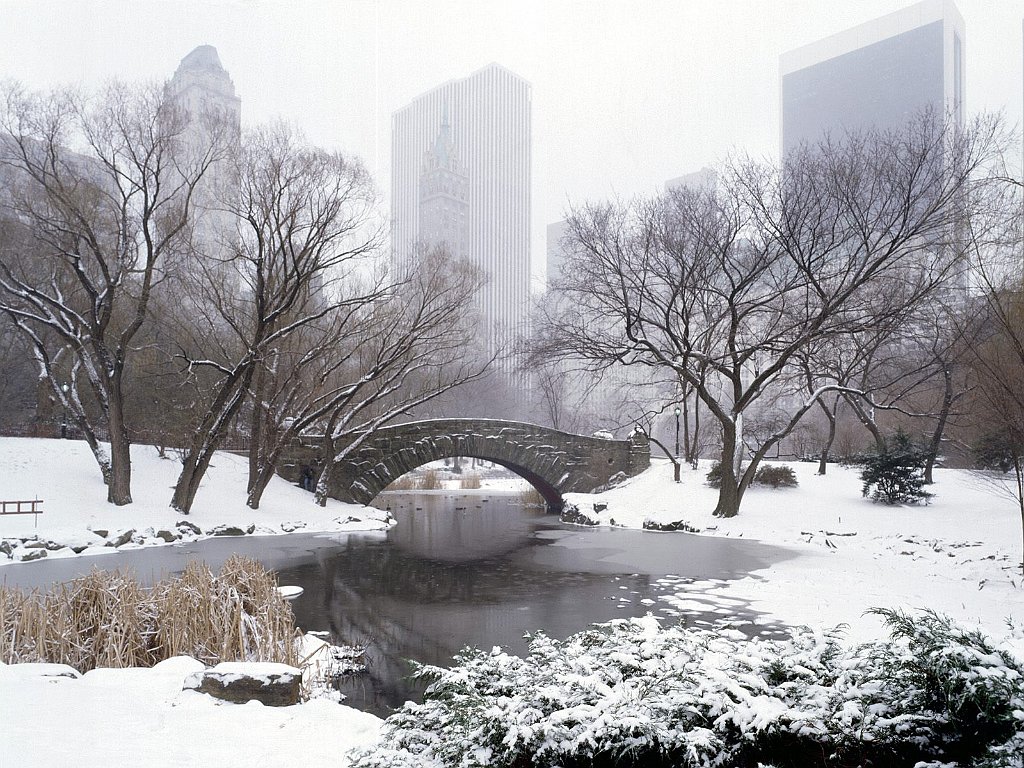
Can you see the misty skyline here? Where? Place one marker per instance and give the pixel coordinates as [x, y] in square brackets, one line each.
[625, 94]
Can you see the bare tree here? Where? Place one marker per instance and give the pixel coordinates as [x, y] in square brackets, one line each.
[303, 219]
[996, 342]
[739, 279]
[104, 186]
[18, 381]
[414, 352]
[365, 364]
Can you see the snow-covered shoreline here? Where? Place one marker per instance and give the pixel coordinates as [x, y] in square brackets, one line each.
[76, 518]
[957, 556]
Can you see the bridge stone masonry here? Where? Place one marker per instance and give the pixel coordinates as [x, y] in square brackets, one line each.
[553, 462]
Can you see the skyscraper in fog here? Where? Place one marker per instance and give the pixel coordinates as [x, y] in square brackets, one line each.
[204, 90]
[202, 85]
[878, 74]
[460, 176]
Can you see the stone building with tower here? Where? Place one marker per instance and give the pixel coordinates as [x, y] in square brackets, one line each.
[204, 90]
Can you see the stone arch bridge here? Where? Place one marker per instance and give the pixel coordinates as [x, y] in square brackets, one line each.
[553, 462]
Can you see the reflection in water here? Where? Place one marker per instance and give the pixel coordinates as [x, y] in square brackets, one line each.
[479, 569]
[465, 568]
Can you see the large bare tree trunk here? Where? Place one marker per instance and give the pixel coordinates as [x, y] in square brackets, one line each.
[935, 443]
[827, 447]
[119, 489]
[729, 495]
[192, 472]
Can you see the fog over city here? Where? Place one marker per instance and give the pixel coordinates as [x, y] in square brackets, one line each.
[648, 392]
[625, 94]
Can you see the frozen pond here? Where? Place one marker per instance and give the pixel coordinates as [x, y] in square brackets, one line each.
[461, 568]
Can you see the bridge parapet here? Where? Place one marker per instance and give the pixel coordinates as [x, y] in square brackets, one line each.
[553, 462]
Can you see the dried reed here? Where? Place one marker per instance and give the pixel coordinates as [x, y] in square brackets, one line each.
[106, 619]
[470, 481]
[531, 498]
[430, 481]
[404, 483]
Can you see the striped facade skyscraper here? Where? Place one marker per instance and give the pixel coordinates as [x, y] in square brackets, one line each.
[460, 176]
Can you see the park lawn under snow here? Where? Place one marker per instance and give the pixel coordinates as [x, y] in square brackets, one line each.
[64, 474]
[958, 555]
[142, 717]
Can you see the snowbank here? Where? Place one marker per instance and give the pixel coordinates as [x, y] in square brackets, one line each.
[143, 717]
[76, 517]
[958, 555]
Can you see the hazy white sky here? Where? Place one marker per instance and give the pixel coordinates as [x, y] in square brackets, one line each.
[626, 94]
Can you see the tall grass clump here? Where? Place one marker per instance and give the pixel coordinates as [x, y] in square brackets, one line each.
[106, 619]
[531, 497]
[470, 481]
[430, 481]
[406, 482]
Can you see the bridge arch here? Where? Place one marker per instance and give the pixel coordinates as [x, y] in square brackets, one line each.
[553, 462]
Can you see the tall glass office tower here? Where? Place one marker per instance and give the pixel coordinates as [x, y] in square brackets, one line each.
[460, 175]
[875, 75]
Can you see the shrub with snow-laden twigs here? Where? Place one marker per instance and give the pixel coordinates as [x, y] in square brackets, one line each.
[632, 693]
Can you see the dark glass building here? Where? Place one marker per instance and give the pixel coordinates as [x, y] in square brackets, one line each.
[878, 74]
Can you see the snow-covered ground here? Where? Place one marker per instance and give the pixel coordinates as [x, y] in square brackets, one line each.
[143, 717]
[957, 555]
[64, 475]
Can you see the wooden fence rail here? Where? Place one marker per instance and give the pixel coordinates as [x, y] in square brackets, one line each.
[24, 507]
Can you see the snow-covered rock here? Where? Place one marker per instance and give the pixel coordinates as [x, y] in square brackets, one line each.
[274, 685]
[39, 670]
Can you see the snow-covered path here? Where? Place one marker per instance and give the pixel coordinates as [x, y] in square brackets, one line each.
[142, 717]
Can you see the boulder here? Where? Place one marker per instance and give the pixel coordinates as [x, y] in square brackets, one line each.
[573, 514]
[675, 525]
[28, 555]
[120, 538]
[37, 669]
[167, 536]
[349, 519]
[101, 532]
[292, 526]
[273, 685]
[7, 546]
[227, 530]
[185, 525]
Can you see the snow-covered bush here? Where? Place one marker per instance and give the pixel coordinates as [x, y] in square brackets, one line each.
[714, 476]
[776, 476]
[895, 475]
[631, 693]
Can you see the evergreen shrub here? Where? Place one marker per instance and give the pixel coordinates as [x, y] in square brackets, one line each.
[776, 476]
[631, 693]
[714, 477]
[896, 475]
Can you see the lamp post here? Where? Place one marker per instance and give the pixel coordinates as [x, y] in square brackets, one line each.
[64, 419]
[675, 466]
[678, 411]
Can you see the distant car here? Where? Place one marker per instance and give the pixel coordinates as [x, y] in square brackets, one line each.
[604, 434]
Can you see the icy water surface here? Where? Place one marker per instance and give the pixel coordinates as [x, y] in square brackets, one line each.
[461, 569]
